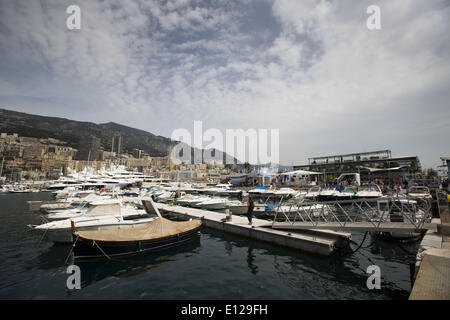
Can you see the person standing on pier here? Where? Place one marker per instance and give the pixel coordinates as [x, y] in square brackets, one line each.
[251, 206]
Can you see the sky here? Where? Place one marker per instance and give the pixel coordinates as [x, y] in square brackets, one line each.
[309, 68]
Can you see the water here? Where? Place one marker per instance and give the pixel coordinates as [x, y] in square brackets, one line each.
[215, 266]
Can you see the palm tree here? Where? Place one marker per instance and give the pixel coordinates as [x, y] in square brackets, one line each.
[247, 167]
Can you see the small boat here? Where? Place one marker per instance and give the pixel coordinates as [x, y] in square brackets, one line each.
[420, 192]
[330, 193]
[285, 192]
[191, 201]
[159, 233]
[313, 192]
[228, 192]
[213, 204]
[60, 231]
[346, 194]
[261, 191]
[217, 188]
[106, 207]
[369, 191]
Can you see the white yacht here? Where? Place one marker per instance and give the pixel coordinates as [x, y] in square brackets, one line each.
[348, 193]
[213, 204]
[112, 217]
[80, 202]
[285, 192]
[313, 192]
[420, 192]
[261, 191]
[369, 191]
[217, 188]
[328, 193]
[191, 201]
[94, 208]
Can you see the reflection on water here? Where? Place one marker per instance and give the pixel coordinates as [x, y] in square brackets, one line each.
[250, 261]
[216, 265]
[129, 266]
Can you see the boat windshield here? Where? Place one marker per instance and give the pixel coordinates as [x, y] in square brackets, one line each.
[369, 188]
[421, 190]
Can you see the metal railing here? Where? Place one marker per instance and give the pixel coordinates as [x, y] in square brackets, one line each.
[362, 214]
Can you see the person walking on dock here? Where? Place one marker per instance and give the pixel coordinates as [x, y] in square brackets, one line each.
[251, 206]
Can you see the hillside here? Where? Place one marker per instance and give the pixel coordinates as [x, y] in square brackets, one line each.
[70, 131]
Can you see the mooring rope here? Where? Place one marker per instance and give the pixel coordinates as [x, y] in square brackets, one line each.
[71, 249]
[101, 250]
[364, 239]
[42, 238]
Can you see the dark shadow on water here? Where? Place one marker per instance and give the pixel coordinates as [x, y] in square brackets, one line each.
[128, 266]
[343, 267]
[125, 266]
[250, 261]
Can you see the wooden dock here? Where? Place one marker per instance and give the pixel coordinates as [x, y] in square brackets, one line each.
[321, 242]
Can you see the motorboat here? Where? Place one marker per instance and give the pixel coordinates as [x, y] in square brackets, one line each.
[191, 201]
[420, 192]
[329, 193]
[217, 188]
[168, 196]
[313, 192]
[60, 231]
[285, 192]
[346, 194]
[228, 192]
[261, 191]
[158, 233]
[80, 202]
[369, 191]
[104, 207]
[213, 204]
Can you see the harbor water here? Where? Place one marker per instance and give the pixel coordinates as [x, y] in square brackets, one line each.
[214, 266]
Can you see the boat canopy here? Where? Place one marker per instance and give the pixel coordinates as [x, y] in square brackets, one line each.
[156, 229]
[112, 209]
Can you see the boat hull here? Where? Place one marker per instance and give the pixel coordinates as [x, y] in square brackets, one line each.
[86, 248]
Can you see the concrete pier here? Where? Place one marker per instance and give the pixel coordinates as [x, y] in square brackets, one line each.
[432, 278]
[321, 242]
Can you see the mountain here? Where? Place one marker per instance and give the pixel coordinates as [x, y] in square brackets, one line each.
[29, 125]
